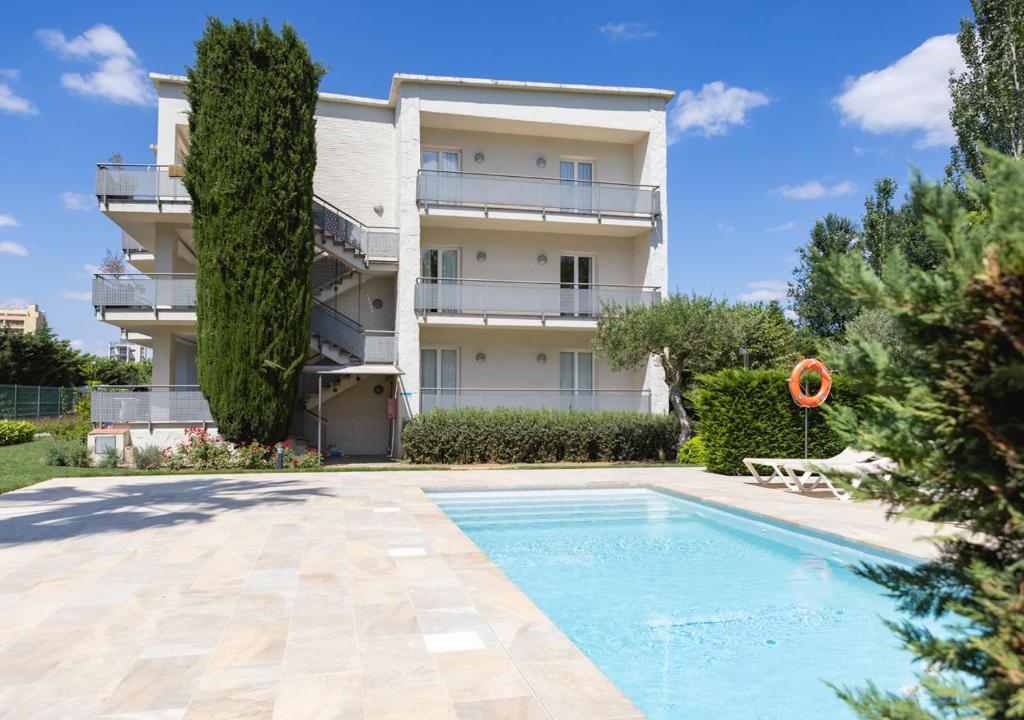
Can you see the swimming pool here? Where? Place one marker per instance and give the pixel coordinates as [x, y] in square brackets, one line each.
[691, 610]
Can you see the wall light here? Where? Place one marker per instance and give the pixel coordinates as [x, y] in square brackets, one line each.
[479, 157]
[481, 256]
[542, 259]
[541, 162]
[542, 358]
[480, 357]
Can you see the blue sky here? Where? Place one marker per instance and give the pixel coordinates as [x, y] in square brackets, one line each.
[787, 110]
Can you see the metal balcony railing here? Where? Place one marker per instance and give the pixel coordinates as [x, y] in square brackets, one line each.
[130, 246]
[374, 242]
[503, 297]
[548, 195]
[165, 291]
[491, 398]
[134, 182]
[370, 346]
[124, 404]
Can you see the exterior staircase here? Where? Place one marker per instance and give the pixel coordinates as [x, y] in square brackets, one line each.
[348, 240]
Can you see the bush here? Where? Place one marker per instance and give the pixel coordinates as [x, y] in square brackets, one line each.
[749, 413]
[65, 428]
[110, 457]
[67, 453]
[693, 452]
[510, 435]
[254, 455]
[13, 432]
[200, 451]
[148, 457]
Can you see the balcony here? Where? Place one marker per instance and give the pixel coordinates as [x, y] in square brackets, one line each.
[638, 401]
[514, 197]
[146, 298]
[133, 183]
[502, 302]
[149, 404]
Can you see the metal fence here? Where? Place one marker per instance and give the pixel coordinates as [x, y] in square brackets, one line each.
[638, 401]
[462, 189]
[139, 182]
[124, 404]
[36, 401]
[499, 297]
[371, 346]
[144, 291]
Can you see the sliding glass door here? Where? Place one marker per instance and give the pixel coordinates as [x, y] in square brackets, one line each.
[576, 379]
[577, 183]
[576, 280]
[443, 184]
[439, 268]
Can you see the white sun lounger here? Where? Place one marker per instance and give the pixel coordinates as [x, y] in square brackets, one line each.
[807, 475]
[779, 473]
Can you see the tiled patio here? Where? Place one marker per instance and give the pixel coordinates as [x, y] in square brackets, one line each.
[325, 595]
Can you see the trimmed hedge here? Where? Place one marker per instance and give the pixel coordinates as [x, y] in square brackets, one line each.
[14, 432]
[693, 452]
[749, 413]
[512, 435]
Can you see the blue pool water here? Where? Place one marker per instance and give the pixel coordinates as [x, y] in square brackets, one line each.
[693, 611]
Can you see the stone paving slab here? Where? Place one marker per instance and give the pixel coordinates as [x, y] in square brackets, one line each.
[321, 595]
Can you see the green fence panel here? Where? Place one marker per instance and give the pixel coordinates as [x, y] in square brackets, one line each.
[35, 401]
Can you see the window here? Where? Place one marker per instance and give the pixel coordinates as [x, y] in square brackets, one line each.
[439, 371]
[439, 269]
[576, 282]
[442, 182]
[577, 178]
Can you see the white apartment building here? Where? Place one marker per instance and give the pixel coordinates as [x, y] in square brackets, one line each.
[468, 232]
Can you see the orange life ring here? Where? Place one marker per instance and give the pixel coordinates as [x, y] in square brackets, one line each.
[797, 375]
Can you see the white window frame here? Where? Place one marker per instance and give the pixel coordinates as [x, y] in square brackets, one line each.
[458, 366]
[440, 149]
[575, 160]
[576, 370]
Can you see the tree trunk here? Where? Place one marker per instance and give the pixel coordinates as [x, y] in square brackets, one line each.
[675, 400]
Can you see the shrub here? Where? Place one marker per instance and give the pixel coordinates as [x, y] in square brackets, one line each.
[254, 455]
[512, 435]
[749, 413]
[693, 452]
[309, 459]
[67, 453]
[148, 457]
[65, 428]
[201, 451]
[13, 432]
[110, 457]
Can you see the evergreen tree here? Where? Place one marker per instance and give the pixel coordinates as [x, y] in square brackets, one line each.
[949, 414]
[819, 308]
[38, 358]
[988, 98]
[249, 171]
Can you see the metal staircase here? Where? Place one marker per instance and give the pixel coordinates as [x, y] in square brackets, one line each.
[347, 239]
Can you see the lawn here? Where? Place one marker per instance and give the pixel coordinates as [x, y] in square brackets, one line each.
[22, 465]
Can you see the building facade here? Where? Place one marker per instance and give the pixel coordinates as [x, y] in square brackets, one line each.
[26, 319]
[469, 233]
[127, 352]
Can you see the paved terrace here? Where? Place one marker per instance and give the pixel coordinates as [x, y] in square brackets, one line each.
[326, 595]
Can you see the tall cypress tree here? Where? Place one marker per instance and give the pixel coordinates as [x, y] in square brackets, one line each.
[249, 171]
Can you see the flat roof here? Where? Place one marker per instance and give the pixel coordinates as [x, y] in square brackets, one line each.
[399, 78]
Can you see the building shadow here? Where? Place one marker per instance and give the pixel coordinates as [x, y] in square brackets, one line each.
[48, 513]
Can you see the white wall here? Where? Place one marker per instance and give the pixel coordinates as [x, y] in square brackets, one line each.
[354, 170]
[172, 110]
[511, 357]
[507, 154]
[357, 421]
[357, 302]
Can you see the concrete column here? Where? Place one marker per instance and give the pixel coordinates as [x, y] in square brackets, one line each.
[407, 127]
[163, 357]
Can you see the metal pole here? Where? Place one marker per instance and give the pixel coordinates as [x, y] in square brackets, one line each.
[14, 412]
[806, 410]
[319, 412]
[39, 397]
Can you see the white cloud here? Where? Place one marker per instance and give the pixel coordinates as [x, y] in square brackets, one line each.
[711, 111]
[814, 190]
[14, 303]
[10, 101]
[627, 31]
[118, 77]
[911, 95]
[790, 314]
[765, 291]
[81, 295]
[77, 201]
[781, 228]
[725, 227]
[8, 221]
[77, 344]
[91, 269]
[860, 151]
[13, 248]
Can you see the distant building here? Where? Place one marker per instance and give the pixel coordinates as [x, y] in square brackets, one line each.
[123, 351]
[26, 319]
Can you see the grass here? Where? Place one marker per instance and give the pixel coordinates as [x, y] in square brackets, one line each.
[22, 465]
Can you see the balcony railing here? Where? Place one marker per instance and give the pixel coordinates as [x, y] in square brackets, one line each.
[374, 242]
[139, 183]
[165, 291]
[130, 246]
[490, 398]
[124, 404]
[502, 297]
[548, 195]
[370, 346]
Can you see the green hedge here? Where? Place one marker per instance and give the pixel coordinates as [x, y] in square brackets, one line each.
[693, 452]
[13, 432]
[749, 413]
[510, 435]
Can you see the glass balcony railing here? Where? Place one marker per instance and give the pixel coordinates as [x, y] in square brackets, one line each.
[129, 291]
[121, 182]
[442, 188]
[491, 398]
[498, 297]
